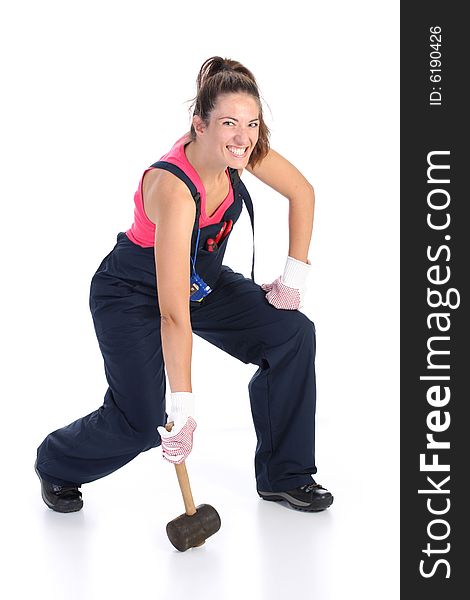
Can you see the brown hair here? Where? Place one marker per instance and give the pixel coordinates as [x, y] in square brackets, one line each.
[225, 76]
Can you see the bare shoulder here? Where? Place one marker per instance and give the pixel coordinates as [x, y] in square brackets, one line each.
[161, 188]
[161, 180]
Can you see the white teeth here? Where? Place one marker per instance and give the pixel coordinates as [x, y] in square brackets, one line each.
[236, 151]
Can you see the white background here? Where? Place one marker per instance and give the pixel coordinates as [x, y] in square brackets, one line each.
[93, 93]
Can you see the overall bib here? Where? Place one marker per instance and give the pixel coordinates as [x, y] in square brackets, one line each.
[236, 317]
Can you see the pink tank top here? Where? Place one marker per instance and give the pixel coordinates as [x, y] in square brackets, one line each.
[142, 231]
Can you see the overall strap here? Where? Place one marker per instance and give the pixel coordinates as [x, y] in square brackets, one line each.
[168, 166]
[240, 188]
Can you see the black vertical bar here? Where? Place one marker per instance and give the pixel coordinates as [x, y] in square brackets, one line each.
[434, 260]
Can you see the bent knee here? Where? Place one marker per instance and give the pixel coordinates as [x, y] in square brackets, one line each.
[297, 322]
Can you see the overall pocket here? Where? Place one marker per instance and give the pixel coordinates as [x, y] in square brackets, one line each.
[208, 263]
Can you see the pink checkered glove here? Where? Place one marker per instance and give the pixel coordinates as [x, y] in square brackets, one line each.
[178, 443]
[288, 291]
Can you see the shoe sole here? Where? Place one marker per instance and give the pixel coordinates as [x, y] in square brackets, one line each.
[297, 504]
[51, 506]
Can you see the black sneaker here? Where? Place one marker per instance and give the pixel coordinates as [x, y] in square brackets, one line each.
[61, 498]
[310, 497]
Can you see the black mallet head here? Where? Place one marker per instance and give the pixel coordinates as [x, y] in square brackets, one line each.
[190, 531]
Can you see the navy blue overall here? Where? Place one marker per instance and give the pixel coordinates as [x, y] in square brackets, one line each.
[235, 317]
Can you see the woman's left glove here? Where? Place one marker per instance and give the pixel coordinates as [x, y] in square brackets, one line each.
[178, 443]
[288, 290]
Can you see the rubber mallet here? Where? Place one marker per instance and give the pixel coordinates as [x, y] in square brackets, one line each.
[192, 528]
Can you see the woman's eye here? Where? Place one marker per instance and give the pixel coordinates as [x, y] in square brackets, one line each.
[232, 123]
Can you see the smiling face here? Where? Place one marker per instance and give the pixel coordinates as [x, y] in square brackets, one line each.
[233, 130]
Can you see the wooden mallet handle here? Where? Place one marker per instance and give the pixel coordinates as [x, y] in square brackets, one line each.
[183, 481]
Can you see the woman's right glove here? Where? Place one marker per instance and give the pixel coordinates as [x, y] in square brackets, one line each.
[177, 443]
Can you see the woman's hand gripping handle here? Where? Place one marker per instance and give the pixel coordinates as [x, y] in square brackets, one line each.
[177, 435]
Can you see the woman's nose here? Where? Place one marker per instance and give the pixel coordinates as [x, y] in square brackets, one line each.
[242, 137]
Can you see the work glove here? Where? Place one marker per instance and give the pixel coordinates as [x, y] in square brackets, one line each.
[177, 443]
[288, 290]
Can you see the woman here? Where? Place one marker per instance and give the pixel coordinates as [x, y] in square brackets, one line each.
[164, 279]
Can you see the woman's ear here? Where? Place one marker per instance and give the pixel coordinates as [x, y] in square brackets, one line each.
[198, 125]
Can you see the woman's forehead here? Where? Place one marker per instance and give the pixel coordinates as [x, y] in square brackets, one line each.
[240, 103]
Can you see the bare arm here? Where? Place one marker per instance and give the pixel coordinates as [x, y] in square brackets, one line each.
[171, 207]
[286, 179]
